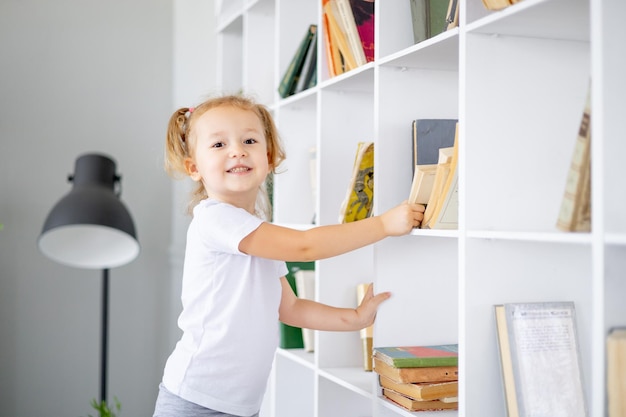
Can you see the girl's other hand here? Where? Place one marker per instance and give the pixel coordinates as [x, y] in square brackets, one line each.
[366, 311]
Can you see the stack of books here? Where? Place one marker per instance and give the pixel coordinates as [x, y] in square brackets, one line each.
[419, 377]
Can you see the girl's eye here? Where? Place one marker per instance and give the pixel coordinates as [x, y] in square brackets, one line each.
[250, 141]
[217, 145]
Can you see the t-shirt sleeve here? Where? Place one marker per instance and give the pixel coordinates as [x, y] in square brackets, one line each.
[222, 226]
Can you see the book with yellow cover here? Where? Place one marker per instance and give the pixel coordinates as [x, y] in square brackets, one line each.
[359, 199]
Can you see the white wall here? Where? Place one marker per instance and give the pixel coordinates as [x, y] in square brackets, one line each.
[80, 76]
[194, 79]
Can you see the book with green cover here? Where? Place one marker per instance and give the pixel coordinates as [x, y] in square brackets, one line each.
[291, 337]
[429, 18]
[292, 74]
[419, 356]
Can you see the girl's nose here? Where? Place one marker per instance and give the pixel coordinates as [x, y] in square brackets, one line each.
[237, 150]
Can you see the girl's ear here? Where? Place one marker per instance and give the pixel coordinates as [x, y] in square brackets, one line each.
[192, 169]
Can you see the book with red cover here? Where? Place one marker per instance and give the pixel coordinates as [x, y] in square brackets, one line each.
[363, 11]
[419, 356]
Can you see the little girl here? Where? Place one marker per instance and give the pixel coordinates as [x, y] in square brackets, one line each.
[234, 287]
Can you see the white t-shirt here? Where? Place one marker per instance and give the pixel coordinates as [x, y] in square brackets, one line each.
[230, 314]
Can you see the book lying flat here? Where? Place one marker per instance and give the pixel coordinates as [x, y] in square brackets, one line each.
[414, 405]
[419, 356]
[409, 375]
[423, 391]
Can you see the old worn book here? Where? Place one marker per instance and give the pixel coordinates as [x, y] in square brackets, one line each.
[414, 405]
[419, 356]
[497, 4]
[422, 185]
[422, 374]
[345, 17]
[430, 135]
[333, 56]
[367, 334]
[443, 213]
[359, 200]
[347, 60]
[616, 372]
[575, 211]
[441, 177]
[540, 360]
[422, 391]
[452, 15]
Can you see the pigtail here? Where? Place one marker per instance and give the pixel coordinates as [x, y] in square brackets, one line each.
[275, 151]
[176, 142]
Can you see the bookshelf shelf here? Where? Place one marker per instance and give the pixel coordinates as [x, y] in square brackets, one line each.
[517, 80]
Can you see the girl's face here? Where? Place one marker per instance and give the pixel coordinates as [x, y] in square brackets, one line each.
[229, 155]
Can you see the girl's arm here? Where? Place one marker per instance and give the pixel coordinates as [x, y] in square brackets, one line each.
[281, 243]
[309, 314]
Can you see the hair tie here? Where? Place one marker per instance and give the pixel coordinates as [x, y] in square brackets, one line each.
[191, 109]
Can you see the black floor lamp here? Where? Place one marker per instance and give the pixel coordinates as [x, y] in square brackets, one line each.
[91, 228]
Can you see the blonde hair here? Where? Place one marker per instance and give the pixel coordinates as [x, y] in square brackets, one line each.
[180, 140]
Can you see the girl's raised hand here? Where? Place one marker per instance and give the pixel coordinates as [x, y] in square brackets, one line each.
[401, 219]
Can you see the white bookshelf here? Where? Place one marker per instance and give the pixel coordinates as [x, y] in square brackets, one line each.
[517, 80]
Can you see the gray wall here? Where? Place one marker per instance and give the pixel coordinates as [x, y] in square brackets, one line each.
[81, 76]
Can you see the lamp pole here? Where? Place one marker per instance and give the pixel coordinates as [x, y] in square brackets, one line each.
[105, 335]
[91, 228]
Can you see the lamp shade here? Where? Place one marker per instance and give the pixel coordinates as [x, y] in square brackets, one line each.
[90, 227]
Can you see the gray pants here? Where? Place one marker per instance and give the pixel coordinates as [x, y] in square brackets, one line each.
[170, 405]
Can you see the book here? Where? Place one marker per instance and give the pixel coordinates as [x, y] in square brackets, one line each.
[366, 333]
[428, 136]
[414, 405]
[616, 372]
[313, 78]
[422, 185]
[338, 37]
[363, 12]
[333, 56]
[441, 176]
[575, 211]
[359, 200]
[290, 77]
[290, 336]
[419, 356]
[497, 4]
[313, 179]
[429, 18]
[445, 210]
[415, 374]
[308, 66]
[452, 15]
[419, 20]
[423, 391]
[345, 17]
[540, 361]
[305, 284]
